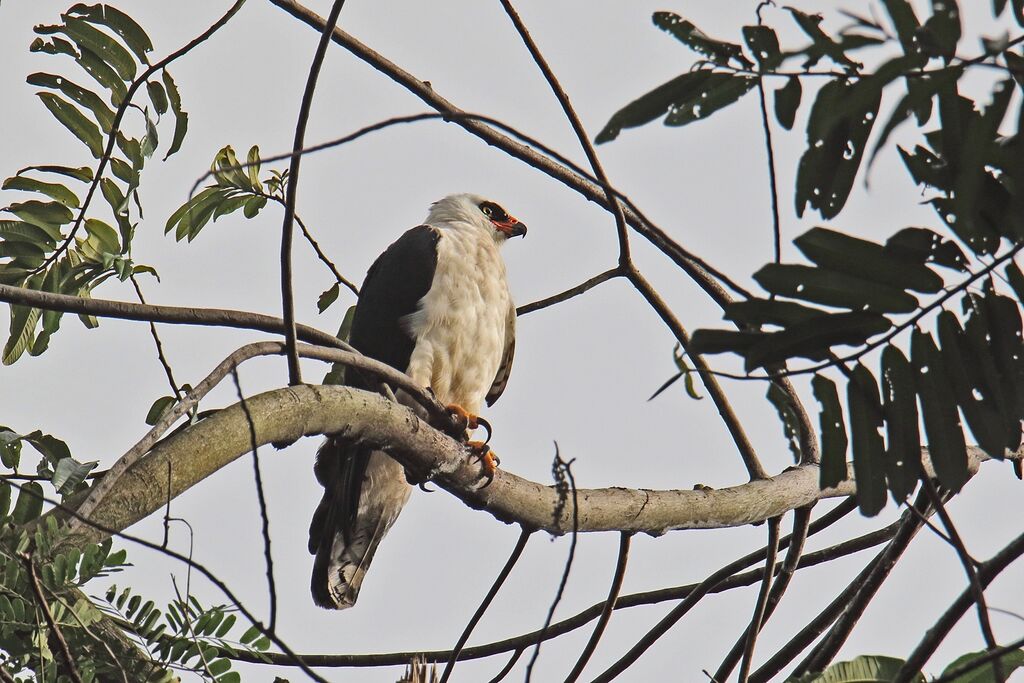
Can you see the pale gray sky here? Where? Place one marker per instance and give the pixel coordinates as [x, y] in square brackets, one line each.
[583, 370]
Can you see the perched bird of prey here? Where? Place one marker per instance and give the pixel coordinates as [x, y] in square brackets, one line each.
[435, 305]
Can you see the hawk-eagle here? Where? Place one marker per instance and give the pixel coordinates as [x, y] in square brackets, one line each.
[437, 306]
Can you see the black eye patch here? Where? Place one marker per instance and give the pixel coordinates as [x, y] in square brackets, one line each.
[494, 212]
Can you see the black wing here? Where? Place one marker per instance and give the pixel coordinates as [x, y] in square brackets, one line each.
[394, 285]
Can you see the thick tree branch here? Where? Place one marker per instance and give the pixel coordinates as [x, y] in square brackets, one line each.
[285, 415]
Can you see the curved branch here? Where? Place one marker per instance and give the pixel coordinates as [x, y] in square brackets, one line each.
[283, 416]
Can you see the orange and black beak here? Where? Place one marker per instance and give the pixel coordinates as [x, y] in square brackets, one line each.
[511, 227]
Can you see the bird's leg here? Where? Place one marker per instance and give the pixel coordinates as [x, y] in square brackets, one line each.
[463, 422]
[488, 459]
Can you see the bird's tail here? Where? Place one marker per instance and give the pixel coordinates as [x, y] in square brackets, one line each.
[364, 493]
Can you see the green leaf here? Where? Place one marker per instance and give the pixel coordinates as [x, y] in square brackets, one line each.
[688, 375]
[54, 190]
[23, 324]
[157, 96]
[654, 104]
[69, 473]
[180, 117]
[57, 46]
[105, 236]
[328, 297]
[867, 260]
[158, 408]
[868, 453]
[253, 168]
[336, 375]
[946, 445]
[1015, 277]
[123, 25]
[689, 35]
[5, 505]
[1011, 661]
[253, 205]
[123, 170]
[75, 121]
[787, 101]
[718, 91]
[83, 173]
[30, 503]
[899, 405]
[103, 74]
[763, 42]
[250, 635]
[43, 214]
[863, 669]
[88, 99]
[109, 50]
[833, 288]
[813, 338]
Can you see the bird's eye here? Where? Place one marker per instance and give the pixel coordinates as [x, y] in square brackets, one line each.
[487, 210]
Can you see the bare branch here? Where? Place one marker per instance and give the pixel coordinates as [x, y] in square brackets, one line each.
[570, 293]
[499, 581]
[762, 600]
[287, 296]
[174, 315]
[936, 634]
[606, 613]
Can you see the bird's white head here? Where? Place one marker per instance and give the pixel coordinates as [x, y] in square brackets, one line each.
[478, 212]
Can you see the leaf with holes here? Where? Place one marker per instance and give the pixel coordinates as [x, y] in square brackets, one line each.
[899, 406]
[718, 51]
[868, 453]
[763, 42]
[946, 445]
[815, 337]
[133, 35]
[926, 246]
[654, 104]
[832, 288]
[716, 92]
[867, 260]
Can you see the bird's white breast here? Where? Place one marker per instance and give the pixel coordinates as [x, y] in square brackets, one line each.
[460, 324]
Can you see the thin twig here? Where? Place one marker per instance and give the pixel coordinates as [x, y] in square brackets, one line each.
[801, 525]
[507, 669]
[770, 149]
[732, 422]
[577, 127]
[606, 613]
[499, 581]
[287, 296]
[175, 387]
[116, 125]
[934, 636]
[826, 650]
[262, 500]
[62, 644]
[762, 600]
[968, 563]
[571, 292]
[562, 471]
